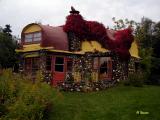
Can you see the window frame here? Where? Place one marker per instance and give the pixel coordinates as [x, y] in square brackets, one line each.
[31, 69]
[103, 60]
[59, 64]
[33, 37]
[95, 63]
[49, 60]
[96, 66]
[28, 64]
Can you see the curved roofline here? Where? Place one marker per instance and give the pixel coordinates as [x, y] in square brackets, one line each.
[29, 25]
[51, 36]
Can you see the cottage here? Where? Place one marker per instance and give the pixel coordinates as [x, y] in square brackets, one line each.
[77, 51]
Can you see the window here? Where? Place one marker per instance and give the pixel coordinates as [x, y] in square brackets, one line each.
[35, 64]
[48, 63]
[33, 37]
[37, 36]
[59, 64]
[32, 64]
[28, 38]
[28, 65]
[103, 65]
[109, 65]
[95, 63]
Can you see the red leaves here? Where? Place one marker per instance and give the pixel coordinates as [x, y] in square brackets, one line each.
[75, 23]
[123, 41]
[97, 31]
[92, 30]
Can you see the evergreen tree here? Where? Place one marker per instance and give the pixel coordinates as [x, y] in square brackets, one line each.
[7, 30]
[7, 48]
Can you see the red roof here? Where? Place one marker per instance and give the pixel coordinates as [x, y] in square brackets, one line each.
[57, 37]
[54, 36]
[51, 36]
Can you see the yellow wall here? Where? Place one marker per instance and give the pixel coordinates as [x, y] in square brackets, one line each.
[32, 28]
[77, 76]
[91, 46]
[95, 76]
[134, 50]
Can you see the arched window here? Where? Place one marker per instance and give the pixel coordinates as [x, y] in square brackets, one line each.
[32, 37]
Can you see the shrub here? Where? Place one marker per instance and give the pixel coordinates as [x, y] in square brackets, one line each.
[135, 79]
[23, 100]
[154, 79]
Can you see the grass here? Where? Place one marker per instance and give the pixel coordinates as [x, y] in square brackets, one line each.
[118, 103]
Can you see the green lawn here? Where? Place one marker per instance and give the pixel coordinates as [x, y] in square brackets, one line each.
[118, 103]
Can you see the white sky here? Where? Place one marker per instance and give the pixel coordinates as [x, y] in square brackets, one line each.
[19, 13]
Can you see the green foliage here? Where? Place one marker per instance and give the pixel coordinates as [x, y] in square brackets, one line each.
[7, 29]
[144, 33]
[135, 79]
[146, 62]
[121, 24]
[148, 36]
[7, 48]
[23, 100]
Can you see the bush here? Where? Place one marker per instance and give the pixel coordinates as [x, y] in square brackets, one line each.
[154, 79]
[135, 79]
[23, 100]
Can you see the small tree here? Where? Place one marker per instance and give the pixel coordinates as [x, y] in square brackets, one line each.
[7, 48]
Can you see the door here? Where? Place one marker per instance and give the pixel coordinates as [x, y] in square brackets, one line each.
[58, 69]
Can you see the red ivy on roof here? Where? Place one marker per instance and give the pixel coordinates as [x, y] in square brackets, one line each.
[97, 31]
[123, 41]
[75, 23]
[92, 30]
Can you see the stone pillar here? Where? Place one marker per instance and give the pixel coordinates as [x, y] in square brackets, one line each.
[74, 42]
[87, 69]
[42, 54]
[120, 69]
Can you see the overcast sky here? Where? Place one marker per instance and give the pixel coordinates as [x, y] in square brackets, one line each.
[19, 13]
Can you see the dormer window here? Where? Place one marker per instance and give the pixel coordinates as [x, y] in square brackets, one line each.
[33, 37]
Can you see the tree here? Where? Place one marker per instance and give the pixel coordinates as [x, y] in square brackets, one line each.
[7, 30]
[121, 24]
[155, 70]
[156, 44]
[144, 33]
[148, 35]
[7, 48]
